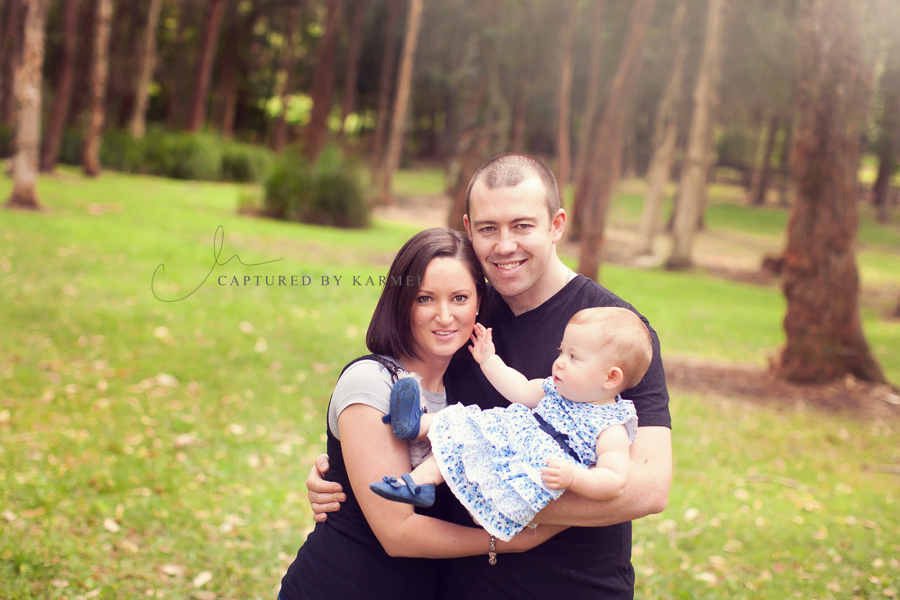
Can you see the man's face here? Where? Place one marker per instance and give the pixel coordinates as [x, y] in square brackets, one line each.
[514, 238]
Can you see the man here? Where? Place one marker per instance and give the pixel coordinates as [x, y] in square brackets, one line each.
[514, 220]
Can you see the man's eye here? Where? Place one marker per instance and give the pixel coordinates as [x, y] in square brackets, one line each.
[487, 229]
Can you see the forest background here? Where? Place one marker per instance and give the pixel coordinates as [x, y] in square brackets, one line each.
[731, 165]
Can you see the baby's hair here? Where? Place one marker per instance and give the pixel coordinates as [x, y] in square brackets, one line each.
[627, 335]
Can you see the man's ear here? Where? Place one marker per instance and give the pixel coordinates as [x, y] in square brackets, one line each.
[558, 225]
[468, 227]
[614, 378]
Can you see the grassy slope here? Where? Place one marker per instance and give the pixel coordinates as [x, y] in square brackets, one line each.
[109, 472]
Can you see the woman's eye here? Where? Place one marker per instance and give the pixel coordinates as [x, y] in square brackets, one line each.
[461, 298]
[423, 299]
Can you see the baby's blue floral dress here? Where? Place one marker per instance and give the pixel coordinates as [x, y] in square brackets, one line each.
[492, 459]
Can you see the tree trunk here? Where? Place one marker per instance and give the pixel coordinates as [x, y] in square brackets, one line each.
[385, 82]
[825, 339]
[582, 175]
[763, 170]
[147, 64]
[181, 68]
[887, 143]
[60, 114]
[766, 176]
[323, 82]
[481, 114]
[398, 117]
[83, 62]
[784, 200]
[694, 171]
[27, 85]
[93, 132]
[205, 60]
[280, 133]
[519, 116]
[11, 46]
[357, 20]
[236, 34]
[665, 134]
[605, 164]
[563, 136]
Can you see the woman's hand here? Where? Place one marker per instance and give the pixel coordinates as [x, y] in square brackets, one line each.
[529, 538]
[324, 496]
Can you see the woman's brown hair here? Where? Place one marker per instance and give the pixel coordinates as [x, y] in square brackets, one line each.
[389, 331]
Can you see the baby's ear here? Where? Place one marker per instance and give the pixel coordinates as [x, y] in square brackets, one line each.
[614, 378]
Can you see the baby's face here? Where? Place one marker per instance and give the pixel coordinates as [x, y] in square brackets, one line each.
[581, 369]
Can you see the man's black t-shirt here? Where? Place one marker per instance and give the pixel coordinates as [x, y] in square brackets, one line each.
[580, 562]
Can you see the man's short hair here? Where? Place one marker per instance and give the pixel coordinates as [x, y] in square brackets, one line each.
[625, 335]
[509, 170]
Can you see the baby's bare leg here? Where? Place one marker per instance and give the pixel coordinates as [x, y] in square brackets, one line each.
[428, 472]
[424, 425]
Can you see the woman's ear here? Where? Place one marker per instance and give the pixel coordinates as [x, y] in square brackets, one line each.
[614, 378]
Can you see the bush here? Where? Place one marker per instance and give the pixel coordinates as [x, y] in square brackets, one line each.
[328, 193]
[246, 163]
[121, 152]
[70, 149]
[194, 156]
[7, 136]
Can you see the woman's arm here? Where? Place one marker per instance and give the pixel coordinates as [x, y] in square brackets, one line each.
[370, 452]
[646, 491]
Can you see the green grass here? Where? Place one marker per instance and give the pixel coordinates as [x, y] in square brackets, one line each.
[111, 472]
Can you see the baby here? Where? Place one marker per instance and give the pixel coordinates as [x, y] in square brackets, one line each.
[569, 431]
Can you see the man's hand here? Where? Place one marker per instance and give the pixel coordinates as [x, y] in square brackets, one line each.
[558, 474]
[483, 344]
[324, 496]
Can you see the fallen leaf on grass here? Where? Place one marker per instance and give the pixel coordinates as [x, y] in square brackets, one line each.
[173, 570]
[320, 367]
[202, 579]
[186, 439]
[236, 429]
[111, 525]
[8, 515]
[30, 514]
[205, 595]
[60, 583]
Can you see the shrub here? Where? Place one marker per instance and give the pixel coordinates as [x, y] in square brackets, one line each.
[337, 198]
[70, 148]
[291, 180]
[7, 135]
[246, 163]
[193, 156]
[328, 193]
[121, 152]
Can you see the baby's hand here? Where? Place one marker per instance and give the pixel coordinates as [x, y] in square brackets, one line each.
[558, 474]
[483, 344]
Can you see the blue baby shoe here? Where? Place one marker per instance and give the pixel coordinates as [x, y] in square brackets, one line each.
[410, 493]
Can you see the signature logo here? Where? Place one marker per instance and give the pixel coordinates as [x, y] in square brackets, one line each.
[217, 252]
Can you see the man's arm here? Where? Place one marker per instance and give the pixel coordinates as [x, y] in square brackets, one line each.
[324, 496]
[646, 491]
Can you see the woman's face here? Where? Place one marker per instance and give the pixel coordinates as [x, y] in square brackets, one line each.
[443, 311]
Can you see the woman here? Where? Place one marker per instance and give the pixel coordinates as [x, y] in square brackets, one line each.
[373, 548]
